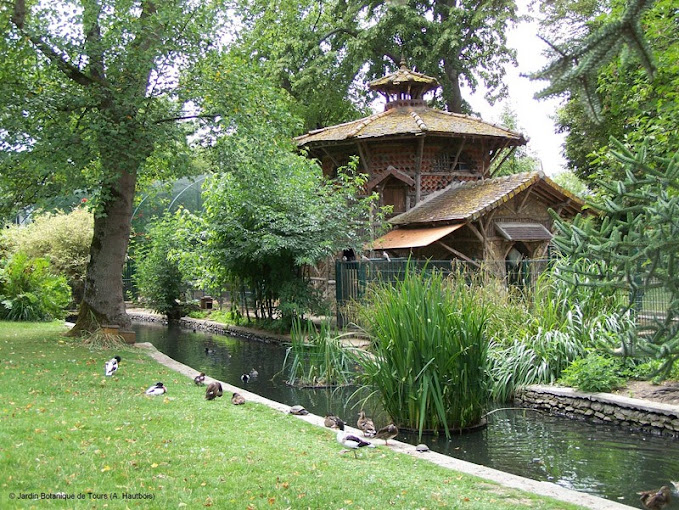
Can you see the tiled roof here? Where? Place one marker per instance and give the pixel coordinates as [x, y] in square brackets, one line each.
[404, 79]
[467, 201]
[410, 121]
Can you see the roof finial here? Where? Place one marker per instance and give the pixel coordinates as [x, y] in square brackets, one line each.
[403, 63]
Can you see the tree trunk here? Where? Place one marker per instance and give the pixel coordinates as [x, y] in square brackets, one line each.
[103, 301]
[454, 100]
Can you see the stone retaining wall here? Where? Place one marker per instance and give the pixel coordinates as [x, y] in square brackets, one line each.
[635, 414]
[210, 327]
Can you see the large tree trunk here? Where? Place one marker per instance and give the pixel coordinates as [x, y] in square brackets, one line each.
[103, 301]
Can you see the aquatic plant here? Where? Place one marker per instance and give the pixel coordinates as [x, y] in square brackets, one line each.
[428, 353]
[316, 357]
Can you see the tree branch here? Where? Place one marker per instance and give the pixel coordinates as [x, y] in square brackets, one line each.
[18, 19]
[188, 117]
[352, 33]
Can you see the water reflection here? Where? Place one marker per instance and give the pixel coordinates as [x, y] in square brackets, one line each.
[601, 460]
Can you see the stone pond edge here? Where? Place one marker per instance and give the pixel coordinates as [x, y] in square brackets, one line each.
[509, 480]
[654, 418]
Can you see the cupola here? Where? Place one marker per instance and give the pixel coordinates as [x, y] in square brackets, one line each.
[404, 87]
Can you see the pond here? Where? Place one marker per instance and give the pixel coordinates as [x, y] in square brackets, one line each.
[602, 460]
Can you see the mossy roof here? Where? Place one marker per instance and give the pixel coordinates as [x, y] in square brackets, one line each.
[415, 121]
[462, 202]
[404, 80]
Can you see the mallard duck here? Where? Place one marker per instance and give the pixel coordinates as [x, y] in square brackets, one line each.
[365, 424]
[387, 433]
[111, 366]
[245, 378]
[209, 350]
[254, 373]
[156, 389]
[214, 389]
[350, 440]
[199, 379]
[331, 421]
[656, 500]
[237, 399]
[298, 410]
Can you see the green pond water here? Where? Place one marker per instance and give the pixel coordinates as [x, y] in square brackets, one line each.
[602, 460]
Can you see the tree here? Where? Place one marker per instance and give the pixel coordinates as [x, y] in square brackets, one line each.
[635, 247]
[273, 214]
[520, 160]
[577, 61]
[317, 51]
[91, 101]
[635, 107]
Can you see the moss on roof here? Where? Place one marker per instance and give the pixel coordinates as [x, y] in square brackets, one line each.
[467, 201]
[413, 121]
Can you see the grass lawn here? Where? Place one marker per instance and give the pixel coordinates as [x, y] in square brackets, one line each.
[65, 428]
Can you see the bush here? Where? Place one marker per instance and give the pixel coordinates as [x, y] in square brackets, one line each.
[593, 373]
[158, 277]
[29, 292]
[64, 239]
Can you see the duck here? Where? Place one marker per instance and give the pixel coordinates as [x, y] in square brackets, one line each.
[331, 421]
[351, 441]
[656, 500]
[214, 389]
[199, 379]
[237, 399]
[387, 433]
[111, 366]
[365, 424]
[254, 373]
[156, 389]
[208, 350]
[245, 378]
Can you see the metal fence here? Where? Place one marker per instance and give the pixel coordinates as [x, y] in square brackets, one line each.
[353, 277]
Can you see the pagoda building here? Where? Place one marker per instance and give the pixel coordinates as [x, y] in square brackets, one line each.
[436, 169]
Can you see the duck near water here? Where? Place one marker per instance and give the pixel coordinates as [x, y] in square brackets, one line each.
[214, 389]
[156, 389]
[111, 366]
[656, 500]
[351, 441]
[199, 379]
[237, 399]
[365, 424]
[387, 433]
[331, 421]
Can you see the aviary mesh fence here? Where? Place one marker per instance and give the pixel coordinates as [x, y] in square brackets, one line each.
[353, 277]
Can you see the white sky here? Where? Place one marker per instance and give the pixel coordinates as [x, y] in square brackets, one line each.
[534, 117]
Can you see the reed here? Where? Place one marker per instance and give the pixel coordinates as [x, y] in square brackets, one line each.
[316, 357]
[429, 351]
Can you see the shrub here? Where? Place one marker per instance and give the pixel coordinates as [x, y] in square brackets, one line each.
[62, 238]
[29, 292]
[158, 277]
[593, 373]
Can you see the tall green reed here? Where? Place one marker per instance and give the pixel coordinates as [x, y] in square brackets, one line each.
[428, 362]
[316, 357]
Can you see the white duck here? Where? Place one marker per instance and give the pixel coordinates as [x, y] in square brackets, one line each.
[111, 366]
[156, 389]
[351, 441]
